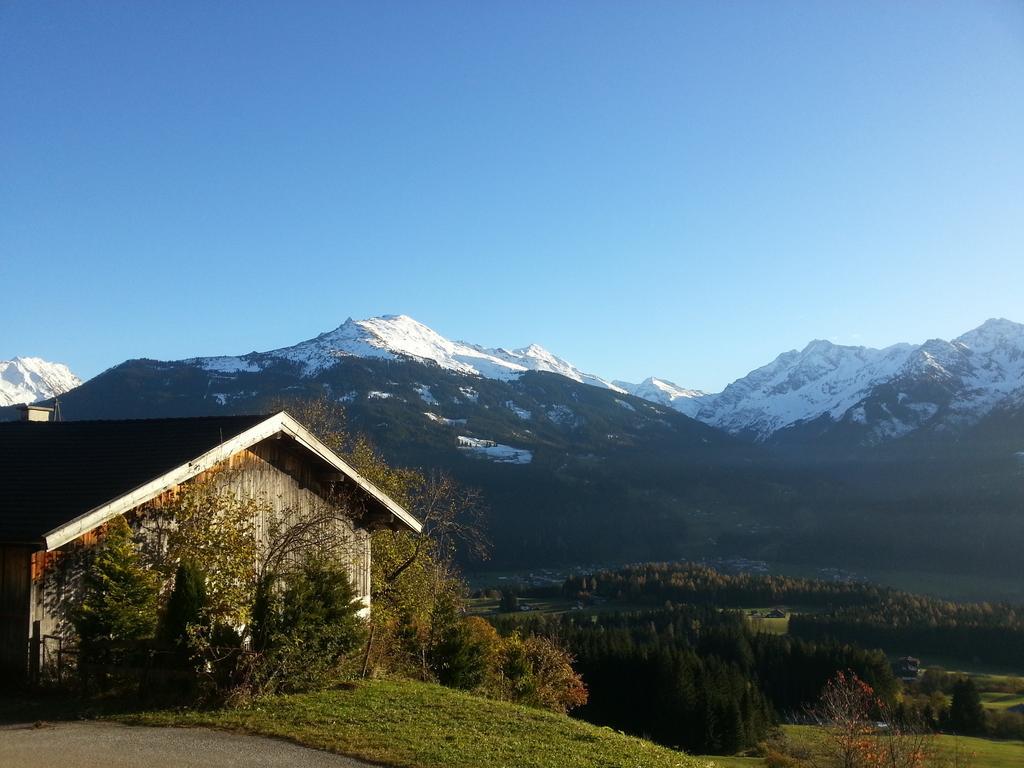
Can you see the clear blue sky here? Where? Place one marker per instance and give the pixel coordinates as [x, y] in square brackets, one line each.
[683, 189]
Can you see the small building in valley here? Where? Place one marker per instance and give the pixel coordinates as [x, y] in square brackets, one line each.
[907, 668]
[60, 482]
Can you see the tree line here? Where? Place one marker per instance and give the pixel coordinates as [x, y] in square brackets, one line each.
[976, 632]
[850, 612]
[656, 583]
[697, 678]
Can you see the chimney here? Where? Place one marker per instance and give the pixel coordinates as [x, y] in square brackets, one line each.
[35, 413]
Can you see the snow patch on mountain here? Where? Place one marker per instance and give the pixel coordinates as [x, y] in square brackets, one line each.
[563, 415]
[522, 413]
[489, 449]
[227, 365]
[442, 420]
[29, 379]
[425, 394]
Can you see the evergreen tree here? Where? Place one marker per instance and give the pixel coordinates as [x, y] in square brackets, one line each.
[265, 613]
[509, 601]
[321, 608]
[186, 606]
[119, 598]
[306, 631]
[966, 714]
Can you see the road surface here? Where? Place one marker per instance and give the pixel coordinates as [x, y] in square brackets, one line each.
[110, 745]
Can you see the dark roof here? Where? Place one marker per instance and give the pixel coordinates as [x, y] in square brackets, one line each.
[52, 472]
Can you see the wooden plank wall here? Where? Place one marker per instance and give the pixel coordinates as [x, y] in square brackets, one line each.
[15, 591]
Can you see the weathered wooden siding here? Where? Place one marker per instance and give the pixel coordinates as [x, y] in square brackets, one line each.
[289, 483]
[269, 470]
[15, 580]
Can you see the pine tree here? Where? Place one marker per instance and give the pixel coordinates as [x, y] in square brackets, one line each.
[966, 714]
[306, 630]
[185, 607]
[119, 597]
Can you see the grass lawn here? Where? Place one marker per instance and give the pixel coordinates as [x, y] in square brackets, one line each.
[736, 762]
[763, 623]
[980, 753]
[418, 725]
[997, 701]
[487, 606]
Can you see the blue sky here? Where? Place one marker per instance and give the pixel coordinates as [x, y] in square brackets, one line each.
[682, 189]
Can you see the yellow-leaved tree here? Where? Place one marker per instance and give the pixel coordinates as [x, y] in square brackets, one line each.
[416, 588]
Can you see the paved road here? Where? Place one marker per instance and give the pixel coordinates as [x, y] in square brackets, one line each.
[109, 745]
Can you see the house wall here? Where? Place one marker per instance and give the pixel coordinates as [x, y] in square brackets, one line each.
[15, 580]
[289, 482]
[284, 478]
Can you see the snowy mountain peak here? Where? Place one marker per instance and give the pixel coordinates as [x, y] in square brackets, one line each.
[687, 401]
[819, 346]
[992, 333]
[28, 379]
[393, 337]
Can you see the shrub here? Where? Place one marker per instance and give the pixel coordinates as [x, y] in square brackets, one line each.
[775, 759]
[533, 671]
[554, 685]
[468, 654]
[305, 629]
[1006, 725]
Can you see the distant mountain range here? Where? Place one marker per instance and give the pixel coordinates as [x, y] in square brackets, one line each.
[868, 395]
[28, 379]
[873, 395]
[828, 454]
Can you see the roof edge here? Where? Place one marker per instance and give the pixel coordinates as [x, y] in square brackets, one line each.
[272, 425]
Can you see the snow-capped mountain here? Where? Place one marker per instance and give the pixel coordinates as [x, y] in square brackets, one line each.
[394, 337]
[866, 395]
[28, 379]
[822, 378]
[882, 393]
[687, 401]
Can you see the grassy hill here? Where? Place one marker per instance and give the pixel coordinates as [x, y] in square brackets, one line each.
[417, 725]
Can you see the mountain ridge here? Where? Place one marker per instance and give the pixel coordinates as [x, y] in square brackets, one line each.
[868, 395]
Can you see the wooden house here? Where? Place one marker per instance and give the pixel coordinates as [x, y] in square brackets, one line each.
[62, 481]
[907, 668]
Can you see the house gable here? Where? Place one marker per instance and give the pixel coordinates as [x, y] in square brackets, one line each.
[40, 488]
